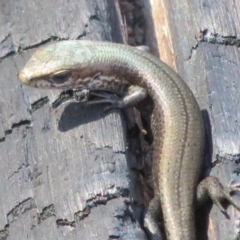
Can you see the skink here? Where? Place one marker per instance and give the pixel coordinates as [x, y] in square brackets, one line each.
[176, 121]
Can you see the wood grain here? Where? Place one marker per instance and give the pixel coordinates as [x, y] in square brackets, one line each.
[69, 173]
[201, 40]
[65, 173]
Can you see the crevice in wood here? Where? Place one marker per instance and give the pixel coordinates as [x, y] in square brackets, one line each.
[39, 103]
[215, 38]
[126, 213]
[94, 18]
[133, 21]
[237, 171]
[16, 171]
[80, 215]
[65, 222]
[8, 51]
[46, 213]
[8, 54]
[4, 234]
[110, 194]
[226, 158]
[5, 38]
[191, 51]
[114, 237]
[50, 39]
[21, 208]
[21, 123]
[99, 199]
[15, 125]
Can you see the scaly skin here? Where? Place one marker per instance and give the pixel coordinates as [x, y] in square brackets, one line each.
[178, 143]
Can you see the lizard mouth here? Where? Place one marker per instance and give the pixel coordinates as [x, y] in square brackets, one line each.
[38, 83]
[47, 82]
[41, 83]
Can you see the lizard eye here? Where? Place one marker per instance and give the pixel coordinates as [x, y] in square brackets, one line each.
[61, 76]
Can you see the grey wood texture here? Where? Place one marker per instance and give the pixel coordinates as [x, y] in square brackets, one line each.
[204, 42]
[65, 173]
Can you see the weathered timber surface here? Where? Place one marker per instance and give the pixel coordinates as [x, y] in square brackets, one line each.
[200, 39]
[67, 173]
[64, 173]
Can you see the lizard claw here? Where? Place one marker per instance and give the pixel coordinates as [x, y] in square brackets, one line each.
[234, 187]
[214, 189]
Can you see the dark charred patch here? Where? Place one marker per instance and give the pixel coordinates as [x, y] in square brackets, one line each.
[20, 209]
[46, 213]
[65, 222]
[39, 103]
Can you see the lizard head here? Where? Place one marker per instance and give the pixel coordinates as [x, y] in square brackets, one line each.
[58, 65]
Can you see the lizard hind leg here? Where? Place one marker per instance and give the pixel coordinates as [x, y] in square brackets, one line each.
[211, 187]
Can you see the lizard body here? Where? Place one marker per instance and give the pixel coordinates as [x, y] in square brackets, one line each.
[176, 122]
